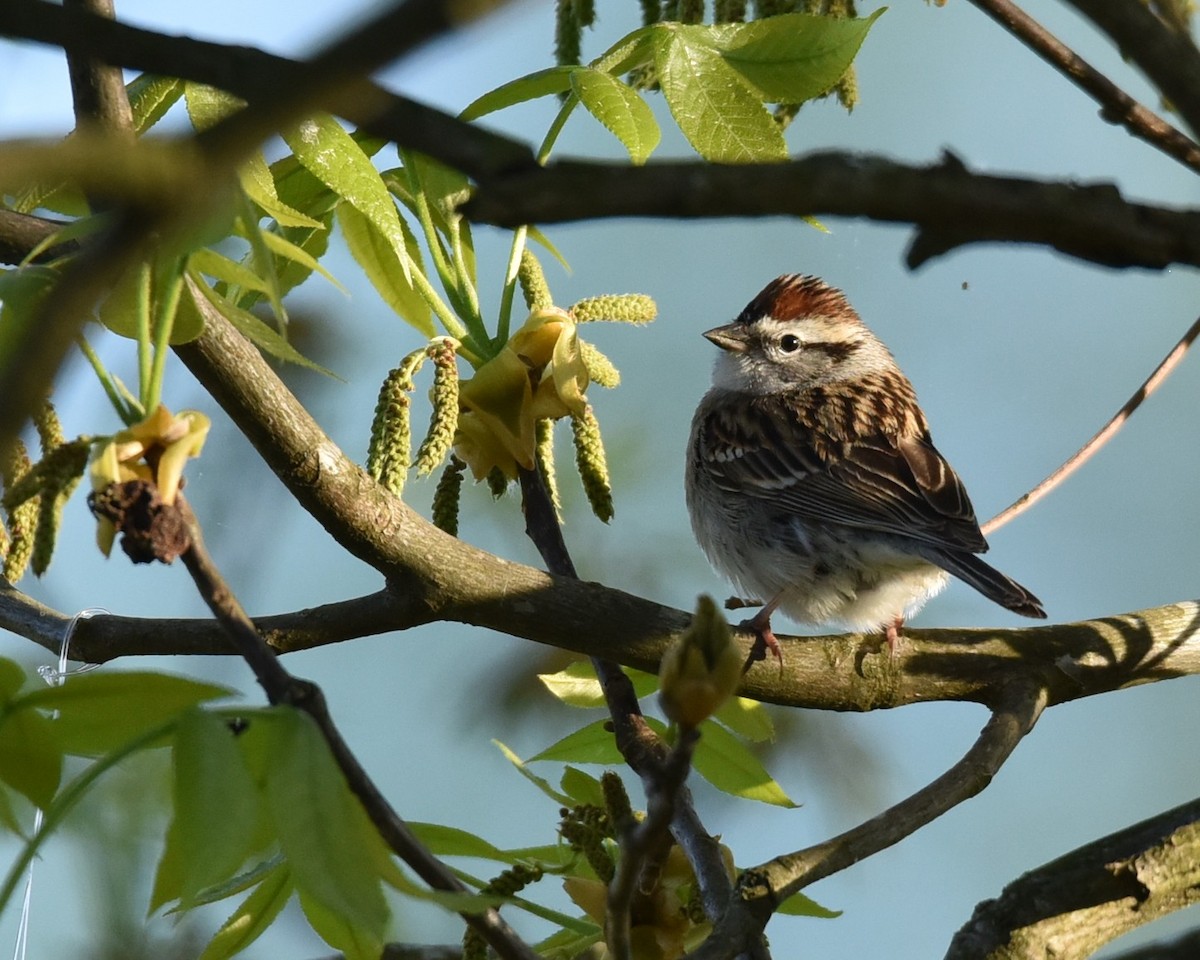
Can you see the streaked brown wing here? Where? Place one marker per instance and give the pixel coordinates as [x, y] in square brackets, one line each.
[875, 483]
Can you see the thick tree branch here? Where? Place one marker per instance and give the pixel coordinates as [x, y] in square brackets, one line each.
[1116, 105]
[97, 88]
[949, 205]
[1072, 906]
[1169, 58]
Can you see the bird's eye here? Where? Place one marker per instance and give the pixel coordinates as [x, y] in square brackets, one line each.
[789, 343]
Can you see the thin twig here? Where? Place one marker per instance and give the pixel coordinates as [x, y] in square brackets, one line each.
[1102, 436]
[282, 688]
[1116, 105]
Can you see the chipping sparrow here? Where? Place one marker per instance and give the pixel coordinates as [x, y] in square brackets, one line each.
[812, 480]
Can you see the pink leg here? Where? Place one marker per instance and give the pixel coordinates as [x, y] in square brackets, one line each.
[760, 625]
[893, 634]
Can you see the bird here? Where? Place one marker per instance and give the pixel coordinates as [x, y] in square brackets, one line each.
[812, 480]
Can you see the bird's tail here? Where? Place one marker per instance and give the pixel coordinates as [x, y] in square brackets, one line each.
[990, 582]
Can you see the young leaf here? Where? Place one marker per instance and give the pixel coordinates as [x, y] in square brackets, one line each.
[255, 330]
[451, 842]
[30, 758]
[591, 744]
[791, 58]
[301, 247]
[747, 718]
[356, 942]
[383, 268]
[247, 923]
[323, 830]
[539, 782]
[99, 712]
[725, 762]
[633, 50]
[576, 685]
[150, 97]
[718, 113]
[207, 105]
[212, 264]
[217, 805]
[334, 158]
[800, 905]
[259, 185]
[12, 678]
[119, 311]
[620, 108]
[582, 787]
[542, 83]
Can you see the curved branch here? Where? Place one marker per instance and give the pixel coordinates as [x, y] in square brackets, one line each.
[763, 888]
[949, 205]
[1116, 105]
[1072, 906]
[1169, 58]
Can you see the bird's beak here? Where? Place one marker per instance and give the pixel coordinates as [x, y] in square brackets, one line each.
[733, 337]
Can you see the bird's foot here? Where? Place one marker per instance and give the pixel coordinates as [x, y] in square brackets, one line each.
[892, 634]
[765, 639]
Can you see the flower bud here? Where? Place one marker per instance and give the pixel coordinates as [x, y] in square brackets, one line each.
[701, 670]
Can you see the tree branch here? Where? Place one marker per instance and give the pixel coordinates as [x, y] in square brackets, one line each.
[1072, 906]
[1116, 106]
[949, 205]
[1169, 58]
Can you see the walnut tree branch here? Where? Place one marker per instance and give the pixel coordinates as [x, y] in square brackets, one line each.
[283, 688]
[1072, 906]
[1116, 106]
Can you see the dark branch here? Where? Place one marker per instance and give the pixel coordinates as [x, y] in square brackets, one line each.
[1072, 906]
[1169, 58]
[1116, 105]
[949, 205]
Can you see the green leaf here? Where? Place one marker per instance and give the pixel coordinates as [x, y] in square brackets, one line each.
[212, 264]
[566, 944]
[747, 718]
[323, 830]
[253, 328]
[576, 685]
[794, 57]
[620, 108]
[722, 118]
[217, 804]
[150, 97]
[725, 762]
[99, 712]
[248, 922]
[259, 185]
[21, 292]
[539, 782]
[384, 269]
[356, 942]
[334, 158]
[445, 841]
[635, 49]
[119, 311]
[301, 247]
[168, 873]
[12, 679]
[8, 816]
[582, 787]
[591, 744]
[207, 106]
[800, 905]
[31, 759]
[542, 83]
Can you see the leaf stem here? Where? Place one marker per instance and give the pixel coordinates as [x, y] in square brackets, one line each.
[504, 322]
[163, 324]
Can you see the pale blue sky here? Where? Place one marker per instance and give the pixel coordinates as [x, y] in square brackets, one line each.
[1018, 355]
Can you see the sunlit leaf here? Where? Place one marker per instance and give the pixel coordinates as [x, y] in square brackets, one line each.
[217, 805]
[791, 58]
[207, 105]
[248, 922]
[150, 97]
[542, 83]
[301, 247]
[591, 744]
[747, 718]
[619, 108]
[31, 759]
[801, 905]
[576, 684]
[633, 50]
[212, 264]
[715, 109]
[377, 257]
[582, 787]
[259, 185]
[323, 830]
[99, 712]
[727, 763]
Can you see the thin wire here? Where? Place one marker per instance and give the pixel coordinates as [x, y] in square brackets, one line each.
[54, 677]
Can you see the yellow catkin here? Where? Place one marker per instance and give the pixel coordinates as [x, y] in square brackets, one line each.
[591, 462]
[62, 469]
[585, 829]
[729, 11]
[389, 452]
[847, 89]
[616, 307]
[691, 11]
[544, 453]
[600, 369]
[446, 497]
[533, 282]
[568, 34]
[443, 422]
[50, 432]
[22, 519]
